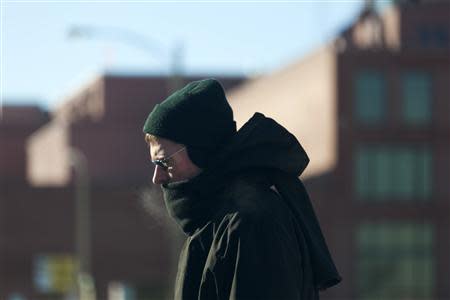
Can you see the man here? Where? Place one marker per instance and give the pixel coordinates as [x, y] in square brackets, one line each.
[252, 232]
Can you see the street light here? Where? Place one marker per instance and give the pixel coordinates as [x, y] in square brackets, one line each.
[138, 41]
[175, 81]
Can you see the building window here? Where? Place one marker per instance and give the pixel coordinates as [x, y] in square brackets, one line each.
[416, 96]
[434, 36]
[370, 97]
[54, 273]
[395, 261]
[131, 291]
[16, 296]
[393, 172]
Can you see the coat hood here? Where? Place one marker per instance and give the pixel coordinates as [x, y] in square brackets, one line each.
[261, 143]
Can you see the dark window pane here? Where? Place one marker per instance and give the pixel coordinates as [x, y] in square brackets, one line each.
[395, 261]
[382, 169]
[404, 179]
[362, 169]
[416, 87]
[370, 94]
[424, 173]
[393, 172]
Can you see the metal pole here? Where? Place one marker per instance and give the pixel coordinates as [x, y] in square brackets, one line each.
[176, 76]
[85, 283]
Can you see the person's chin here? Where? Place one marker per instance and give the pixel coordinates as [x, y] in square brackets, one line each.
[176, 181]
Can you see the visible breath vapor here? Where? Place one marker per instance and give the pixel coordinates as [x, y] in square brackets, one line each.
[151, 201]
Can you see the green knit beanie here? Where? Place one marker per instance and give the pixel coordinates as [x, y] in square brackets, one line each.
[197, 116]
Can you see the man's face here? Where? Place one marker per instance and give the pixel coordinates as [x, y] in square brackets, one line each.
[180, 166]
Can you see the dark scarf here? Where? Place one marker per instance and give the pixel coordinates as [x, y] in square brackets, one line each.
[191, 203]
[294, 194]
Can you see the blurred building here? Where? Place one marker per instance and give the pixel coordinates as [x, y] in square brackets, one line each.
[372, 109]
[17, 123]
[133, 247]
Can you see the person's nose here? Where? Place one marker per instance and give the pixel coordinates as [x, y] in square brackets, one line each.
[160, 176]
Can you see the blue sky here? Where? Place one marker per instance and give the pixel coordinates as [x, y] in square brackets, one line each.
[41, 64]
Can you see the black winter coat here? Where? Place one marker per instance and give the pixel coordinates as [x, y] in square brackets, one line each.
[252, 231]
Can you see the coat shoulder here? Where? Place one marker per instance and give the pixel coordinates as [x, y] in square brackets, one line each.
[254, 200]
[251, 199]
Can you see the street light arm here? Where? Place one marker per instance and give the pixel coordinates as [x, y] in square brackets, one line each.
[118, 34]
[143, 42]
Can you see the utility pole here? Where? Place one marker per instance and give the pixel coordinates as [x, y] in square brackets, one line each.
[84, 279]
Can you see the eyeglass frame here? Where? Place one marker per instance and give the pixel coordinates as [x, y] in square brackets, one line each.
[163, 162]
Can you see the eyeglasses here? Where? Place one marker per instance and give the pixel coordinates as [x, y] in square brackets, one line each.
[164, 162]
